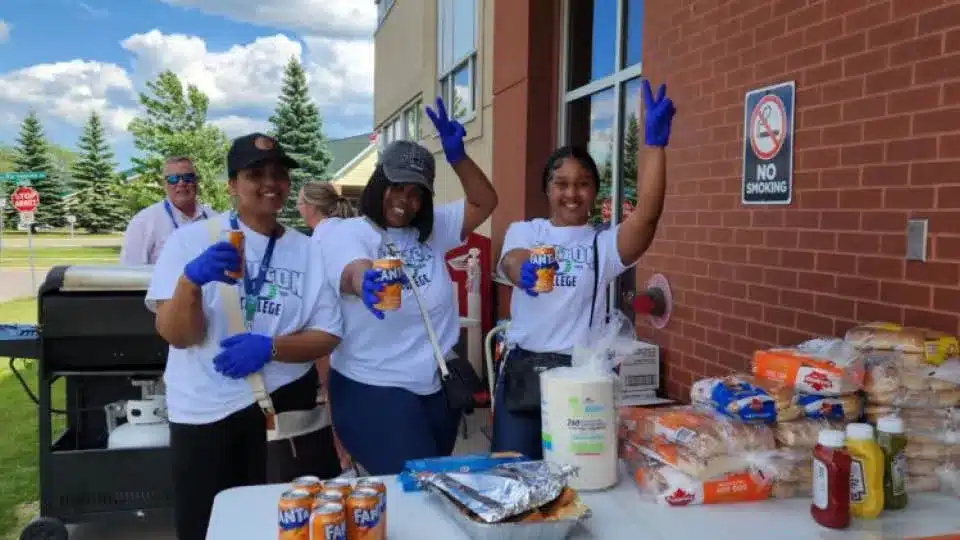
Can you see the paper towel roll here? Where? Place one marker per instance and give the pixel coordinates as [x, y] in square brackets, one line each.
[579, 425]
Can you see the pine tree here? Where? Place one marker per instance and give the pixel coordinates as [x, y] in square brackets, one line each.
[631, 145]
[299, 129]
[96, 204]
[33, 155]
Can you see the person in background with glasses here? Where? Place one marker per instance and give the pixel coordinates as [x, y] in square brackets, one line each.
[149, 229]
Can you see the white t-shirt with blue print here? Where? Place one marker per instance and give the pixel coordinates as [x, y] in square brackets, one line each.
[559, 320]
[295, 297]
[395, 351]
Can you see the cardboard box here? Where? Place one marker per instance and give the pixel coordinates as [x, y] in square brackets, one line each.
[640, 375]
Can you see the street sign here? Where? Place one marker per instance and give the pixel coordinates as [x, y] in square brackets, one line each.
[25, 199]
[27, 218]
[768, 145]
[71, 219]
[22, 178]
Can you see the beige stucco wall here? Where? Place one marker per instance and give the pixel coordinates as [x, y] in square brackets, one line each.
[406, 68]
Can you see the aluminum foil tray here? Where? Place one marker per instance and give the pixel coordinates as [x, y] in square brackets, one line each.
[540, 530]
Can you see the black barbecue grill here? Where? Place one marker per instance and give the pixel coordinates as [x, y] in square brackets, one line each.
[95, 333]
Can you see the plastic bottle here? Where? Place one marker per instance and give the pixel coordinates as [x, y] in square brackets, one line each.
[892, 441]
[831, 481]
[866, 472]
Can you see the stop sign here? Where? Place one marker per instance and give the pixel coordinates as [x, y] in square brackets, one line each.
[25, 199]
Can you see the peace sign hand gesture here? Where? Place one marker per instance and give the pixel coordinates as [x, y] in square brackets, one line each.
[658, 117]
[451, 133]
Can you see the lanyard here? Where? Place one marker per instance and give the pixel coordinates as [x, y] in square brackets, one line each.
[252, 287]
[166, 206]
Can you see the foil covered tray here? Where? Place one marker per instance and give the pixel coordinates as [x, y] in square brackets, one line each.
[535, 530]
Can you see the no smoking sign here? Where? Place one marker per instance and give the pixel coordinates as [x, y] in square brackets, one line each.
[768, 145]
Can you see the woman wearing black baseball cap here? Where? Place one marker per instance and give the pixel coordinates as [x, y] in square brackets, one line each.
[385, 392]
[242, 349]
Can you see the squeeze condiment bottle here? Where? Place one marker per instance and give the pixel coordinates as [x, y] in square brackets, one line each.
[866, 472]
[831, 481]
[893, 442]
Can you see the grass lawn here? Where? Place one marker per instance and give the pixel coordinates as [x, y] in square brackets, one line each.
[18, 443]
[50, 256]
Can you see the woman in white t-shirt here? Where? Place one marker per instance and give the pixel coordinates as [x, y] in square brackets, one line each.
[385, 394]
[217, 430]
[544, 328]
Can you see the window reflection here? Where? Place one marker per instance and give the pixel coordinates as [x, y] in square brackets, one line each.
[464, 28]
[590, 124]
[592, 40]
[633, 32]
[462, 96]
[632, 114]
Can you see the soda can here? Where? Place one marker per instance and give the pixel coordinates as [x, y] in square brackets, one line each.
[391, 275]
[364, 521]
[340, 485]
[293, 517]
[329, 495]
[381, 489]
[235, 238]
[544, 259]
[310, 484]
[328, 522]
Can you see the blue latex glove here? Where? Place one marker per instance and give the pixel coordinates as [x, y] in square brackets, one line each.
[658, 117]
[451, 133]
[528, 278]
[371, 286]
[243, 354]
[212, 265]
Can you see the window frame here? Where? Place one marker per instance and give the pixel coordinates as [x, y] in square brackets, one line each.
[445, 77]
[618, 81]
[394, 128]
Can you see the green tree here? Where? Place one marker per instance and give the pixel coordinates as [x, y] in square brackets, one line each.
[631, 145]
[174, 123]
[32, 154]
[96, 200]
[299, 129]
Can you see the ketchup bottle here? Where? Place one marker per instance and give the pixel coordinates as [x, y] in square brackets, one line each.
[831, 481]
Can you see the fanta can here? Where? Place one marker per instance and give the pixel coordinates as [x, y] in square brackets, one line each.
[391, 276]
[544, 259]
[340, 485]
[329, 495]
[310, 484]
[328, 522]
[293, 518]
[235, 238]
[363, 515]
[381, 489]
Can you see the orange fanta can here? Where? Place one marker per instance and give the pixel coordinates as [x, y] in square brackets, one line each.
[544, 259]
[391, 275]
[364, 521]
[293, 516]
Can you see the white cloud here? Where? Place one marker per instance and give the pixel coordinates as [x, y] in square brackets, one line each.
[341, 73]
[71, 91]
[235, 126]
[336, 18]
[4, 31]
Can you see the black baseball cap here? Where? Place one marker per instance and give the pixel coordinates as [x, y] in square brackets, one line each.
[254, 150]
[406, 162]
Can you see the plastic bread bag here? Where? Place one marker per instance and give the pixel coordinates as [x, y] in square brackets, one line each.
[701, 433]
[929, 467]
[926, 419]
[606, 347]
[919, 345]
[823, 367]
[889, 381]
[803, 433]
[949, 477]
[410, 475]
[740, 398]
[502, 492]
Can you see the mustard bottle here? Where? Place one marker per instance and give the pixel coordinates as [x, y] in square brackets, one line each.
[866, 472]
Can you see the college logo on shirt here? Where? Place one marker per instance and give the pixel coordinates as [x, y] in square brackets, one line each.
[281, 284]
[417, 261]
[573, 260]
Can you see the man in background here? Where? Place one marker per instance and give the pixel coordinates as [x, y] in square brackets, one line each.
[150, 228]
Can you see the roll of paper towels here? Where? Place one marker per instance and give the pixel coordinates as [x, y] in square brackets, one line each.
[579, 425]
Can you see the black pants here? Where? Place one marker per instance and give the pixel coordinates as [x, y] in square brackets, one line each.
[233, 452]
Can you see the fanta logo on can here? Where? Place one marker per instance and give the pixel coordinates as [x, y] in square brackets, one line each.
[335, 531]
[293, 518]
[367, 518]
[391, 275]
[542, 259]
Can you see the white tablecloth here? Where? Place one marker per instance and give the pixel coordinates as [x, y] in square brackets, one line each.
[250, 513]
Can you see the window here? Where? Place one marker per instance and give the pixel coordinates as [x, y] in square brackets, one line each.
[383, 7]
[457, 55]
[404, 126]
[600, 108]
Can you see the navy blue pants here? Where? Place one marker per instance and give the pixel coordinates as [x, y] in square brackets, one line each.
[515, 432]
[384, 427]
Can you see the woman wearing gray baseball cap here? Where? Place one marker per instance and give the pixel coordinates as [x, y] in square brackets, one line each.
[385, 391]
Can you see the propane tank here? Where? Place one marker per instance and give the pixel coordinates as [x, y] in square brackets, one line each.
[146, 423]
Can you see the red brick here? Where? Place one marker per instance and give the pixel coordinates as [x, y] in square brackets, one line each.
[904, 8]
[884, 221]
[933, 272]
[861, 198]
[916, 99]
[869, 311]
[916, 49]
[945, 299]
[840, 220]
[945, 18]
[937, 69]
[947, 247]
[845, 45]
[861, 109]
[910, 198]
[858, 243]
[935, 320]
[949, 146]
[836, 263]
[886, 128]
[834, 306]
[898, 78]
[938, 172]
[913, 149]
[905, 294]
[839, 178]
[880, 267]
[861, 154]
[857, 287]
[887, 175]
[899, 30]
[868, 62]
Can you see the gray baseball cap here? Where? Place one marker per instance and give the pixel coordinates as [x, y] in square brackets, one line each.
[406, 162]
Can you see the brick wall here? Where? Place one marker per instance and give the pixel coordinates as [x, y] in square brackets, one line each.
[877, 140]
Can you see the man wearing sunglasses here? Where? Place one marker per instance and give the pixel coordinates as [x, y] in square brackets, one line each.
[149, 229]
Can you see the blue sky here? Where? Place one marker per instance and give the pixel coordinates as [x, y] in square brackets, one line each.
[68, 58]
